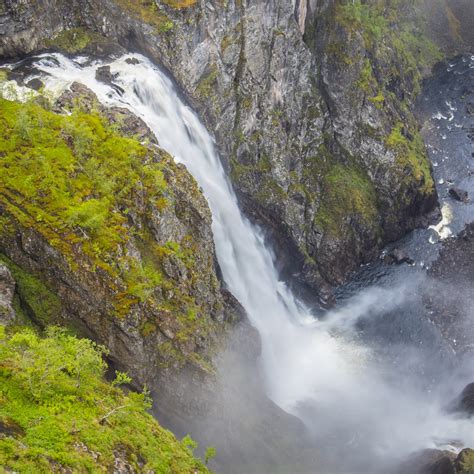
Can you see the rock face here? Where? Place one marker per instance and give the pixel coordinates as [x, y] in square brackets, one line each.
[310, 130]
[115, 242]
[465, 402]
[458, 194]
[7, 289]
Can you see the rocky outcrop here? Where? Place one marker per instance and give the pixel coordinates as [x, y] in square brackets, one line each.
[115, 242]
[465, 402]
[450, 24]
[7, 289]
[310, 133]
[435, 461]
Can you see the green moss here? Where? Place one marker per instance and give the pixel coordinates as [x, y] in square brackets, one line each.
[378, 100]
[3, 75]
[240, 171]
[225, 42]
[207, 81]
[73, 179]
[72, 40]
[64, 416]
[147, 11]
[33, 295]
[347, 193]
[411, 158]
[366, 80]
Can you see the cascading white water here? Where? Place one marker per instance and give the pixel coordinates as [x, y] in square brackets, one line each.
[246, 263]
[303, 361]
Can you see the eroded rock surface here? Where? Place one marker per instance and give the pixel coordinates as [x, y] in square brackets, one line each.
[322, 150]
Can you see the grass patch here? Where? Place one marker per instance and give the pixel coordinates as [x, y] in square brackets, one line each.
[411, 157]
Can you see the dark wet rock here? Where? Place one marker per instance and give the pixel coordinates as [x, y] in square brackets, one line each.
[449, 293]
[9, 428]
[35, 84]
[429, 461]
[7, 290]
[398, 256]
[465, 402]
[458, 194]
[103, 74]
[470, 109]
[132, 61]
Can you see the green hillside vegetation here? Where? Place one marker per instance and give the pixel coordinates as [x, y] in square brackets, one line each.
[57, 412]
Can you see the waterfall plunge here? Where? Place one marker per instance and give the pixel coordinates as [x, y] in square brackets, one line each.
[305, 362]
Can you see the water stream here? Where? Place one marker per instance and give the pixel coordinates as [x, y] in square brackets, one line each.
[376, 389]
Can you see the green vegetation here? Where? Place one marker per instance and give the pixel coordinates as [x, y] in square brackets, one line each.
[75, 182]
[40, 301]
[57, 413]
[73, 178]
[391, 34]
[411, 155]
[73, 40]
[207, 81]
[347, 193]
[147, 11]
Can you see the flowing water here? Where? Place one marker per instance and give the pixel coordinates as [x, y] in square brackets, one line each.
[369, 376]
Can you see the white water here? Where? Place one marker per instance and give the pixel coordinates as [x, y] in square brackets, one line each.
[304, 361]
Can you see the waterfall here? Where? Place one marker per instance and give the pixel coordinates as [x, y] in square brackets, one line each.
[246, 262]
[317, 370]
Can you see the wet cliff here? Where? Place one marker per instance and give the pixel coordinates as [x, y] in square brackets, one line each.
[311, 107]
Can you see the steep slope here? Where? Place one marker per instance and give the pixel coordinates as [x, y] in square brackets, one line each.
[59, 415]
[106, 235]
[117, 233]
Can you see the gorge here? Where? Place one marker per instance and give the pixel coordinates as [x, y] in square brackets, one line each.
[358, 377]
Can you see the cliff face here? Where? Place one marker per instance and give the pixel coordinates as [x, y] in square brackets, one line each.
[108, 235]
[103, 233]
[305, 103]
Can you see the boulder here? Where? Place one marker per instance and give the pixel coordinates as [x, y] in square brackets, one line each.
[458, 194]
[465, 462]
[429, 461]
[35, 84]
[103, 74]
[465, 402]
[398, 256]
